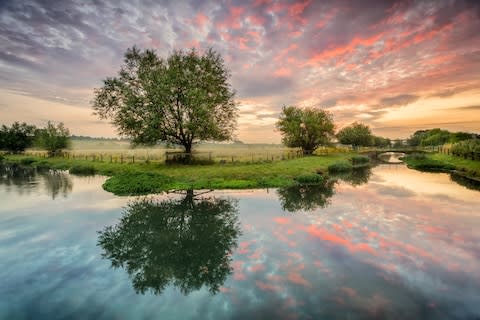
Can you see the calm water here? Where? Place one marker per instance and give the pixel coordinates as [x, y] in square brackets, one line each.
[387, 243]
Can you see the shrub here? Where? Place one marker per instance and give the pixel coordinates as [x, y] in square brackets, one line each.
[341, 166]
[27, 161]
[310, 178]
[360, 160]
[82, 170]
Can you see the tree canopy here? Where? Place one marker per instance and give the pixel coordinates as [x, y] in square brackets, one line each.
[182, 99]
[17, 137]
[356, 134]
[306, 128]
[53, 138]
[437, 136]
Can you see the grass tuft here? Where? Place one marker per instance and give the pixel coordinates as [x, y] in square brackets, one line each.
[338, 167]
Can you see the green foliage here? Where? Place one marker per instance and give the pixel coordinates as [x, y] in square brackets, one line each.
[467, 149]
[356, 134]
[360, 159]
[381, 142]
[425, 163]
[341, 166]
[82, 169]
[16, 138]
[53, 138]
[310, 178]
[27, 161]
[437, 137]
[124, 184]
[2, 158]
[141, 178]
[186, 243]
[306, 128]
[181, 100]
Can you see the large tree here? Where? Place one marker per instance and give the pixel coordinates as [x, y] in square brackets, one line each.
[306, 128]
[182, 99]
[357, 134]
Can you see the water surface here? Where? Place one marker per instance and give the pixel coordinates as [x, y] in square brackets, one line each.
[387, 243]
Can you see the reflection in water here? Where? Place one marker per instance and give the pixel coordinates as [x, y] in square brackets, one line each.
[391, 157]
[356, 177]
[186, 243]
[25, 179]
[306, 197]
[464, 181]
[310, 197]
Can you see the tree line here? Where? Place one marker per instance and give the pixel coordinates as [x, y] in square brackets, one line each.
[20, 136]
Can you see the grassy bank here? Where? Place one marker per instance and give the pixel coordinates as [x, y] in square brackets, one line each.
[143, 178]
[444, 163]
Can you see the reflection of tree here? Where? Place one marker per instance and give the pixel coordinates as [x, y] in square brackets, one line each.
[356, 177]
[186, 243]
[57, 182]
[306, 197]
[24, 179]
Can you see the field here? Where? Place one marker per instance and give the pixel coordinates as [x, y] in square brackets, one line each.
[118, 151]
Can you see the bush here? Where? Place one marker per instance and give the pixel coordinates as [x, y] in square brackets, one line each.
[337, 167]
[1, 158]
[467, 148]
[360, 160]
[310, 179]
[82, 170]
[27, 161]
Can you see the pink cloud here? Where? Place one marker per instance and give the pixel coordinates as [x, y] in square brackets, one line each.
[297, 278]
[281, 220]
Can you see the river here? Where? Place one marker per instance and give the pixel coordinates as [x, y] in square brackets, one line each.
[385, 243]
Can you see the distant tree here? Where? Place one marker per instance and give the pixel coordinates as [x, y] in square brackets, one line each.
[182, 99]
[16, 138]
[53, 138]
[381, 142]
[356, 134]
[398, 143]
[306, 128]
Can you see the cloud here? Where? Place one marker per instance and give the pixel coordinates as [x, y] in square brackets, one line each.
[399, 100]
[369, 56]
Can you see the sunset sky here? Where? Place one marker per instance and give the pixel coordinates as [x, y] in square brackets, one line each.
[398, 66]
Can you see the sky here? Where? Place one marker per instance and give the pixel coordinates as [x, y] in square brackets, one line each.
[398, 66]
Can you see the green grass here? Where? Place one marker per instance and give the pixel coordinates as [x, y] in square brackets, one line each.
[360, 159]
[341, 166]
[82, 169]
[142, 178]
[443, 162]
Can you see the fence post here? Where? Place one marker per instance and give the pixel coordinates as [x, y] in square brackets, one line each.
[133, 159]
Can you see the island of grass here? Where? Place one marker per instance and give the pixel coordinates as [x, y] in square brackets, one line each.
[145, 178]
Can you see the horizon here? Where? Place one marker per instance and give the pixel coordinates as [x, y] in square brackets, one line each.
[397, 66]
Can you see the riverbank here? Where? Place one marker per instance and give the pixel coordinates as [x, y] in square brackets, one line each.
[145, 178]
[444, 163]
